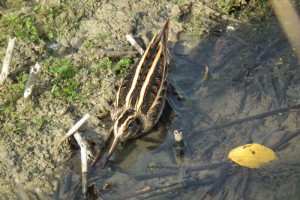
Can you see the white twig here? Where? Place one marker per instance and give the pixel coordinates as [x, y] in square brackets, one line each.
[83, 145]
[206, 73]
[179, 146]
[83, 150]
[178, 135]
[75, 127]
[84, 185]
[31, 81]
[84, 161]
[132, 41]
[7, 60]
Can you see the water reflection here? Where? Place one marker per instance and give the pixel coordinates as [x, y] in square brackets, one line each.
[251, 71]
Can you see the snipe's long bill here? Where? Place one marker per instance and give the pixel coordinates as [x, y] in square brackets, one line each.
[142, 94]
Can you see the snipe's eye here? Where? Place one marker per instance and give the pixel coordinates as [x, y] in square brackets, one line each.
[137, 121]
[130, 124]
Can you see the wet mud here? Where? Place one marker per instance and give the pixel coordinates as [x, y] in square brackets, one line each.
[249, 95]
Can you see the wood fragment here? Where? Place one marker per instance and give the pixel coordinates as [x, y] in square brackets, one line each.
[206, 73]
[31, 81]
[174, 172]
[75, 127]
[286, 83]
[178, 135]
[242, 188]
[290, 22]
[273, 92]
[178, 144]
[176, 90]
[106, 186]
[234, 20]
[269, 48]
[251, 118]
[117, 54]
[174, 106]
[167, 191]
[7, 60]
[284, 141]
[84, 162]
[132, 41]
[143, 190]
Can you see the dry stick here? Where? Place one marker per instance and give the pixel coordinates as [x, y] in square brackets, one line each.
[254, 117]
[118, 54]
[178, 135]
[285, 139]
[274, 95]
[290, 22]
[179, 93]
[178, 144]
[206, 73]
[243, 186]
[158, 191]
[135, 44]
[140, 192]
[84, 162]
[143, 190]
[162, 192]
[285, 87]
[269, 48]
[75, 127]
[83, 143]
[175, 171]
[231, 19]
[224, 16]
[7, 60]
[32, 79]
[96, 158]
[212, 145]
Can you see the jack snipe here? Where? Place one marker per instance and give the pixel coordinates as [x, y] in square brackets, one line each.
[141, 96]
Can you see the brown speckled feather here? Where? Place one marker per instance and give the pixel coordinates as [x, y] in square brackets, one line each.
[142, 93]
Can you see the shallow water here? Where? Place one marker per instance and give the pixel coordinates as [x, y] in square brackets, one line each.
[252, 71]
[253, 81]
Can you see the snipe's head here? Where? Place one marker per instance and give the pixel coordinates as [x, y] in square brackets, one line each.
[127, 125]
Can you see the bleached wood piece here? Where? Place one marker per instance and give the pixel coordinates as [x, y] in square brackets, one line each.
[206, 73]
[84, 161]
[178, 135]
[132, 41]
[7, 60]
[75, 127]
[83, 144]
[290, 22]
[32, 79]
[83, 151]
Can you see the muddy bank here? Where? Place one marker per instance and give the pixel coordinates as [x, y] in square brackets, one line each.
[77, 77]
[79, 50]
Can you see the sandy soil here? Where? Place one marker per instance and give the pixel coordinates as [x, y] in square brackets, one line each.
[252, 71]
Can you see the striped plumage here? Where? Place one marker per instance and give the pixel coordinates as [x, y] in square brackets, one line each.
[142, 94]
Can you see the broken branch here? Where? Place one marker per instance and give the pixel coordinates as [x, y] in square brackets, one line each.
[32, 79]
[75, 127]
[7, 60]
[132, 41]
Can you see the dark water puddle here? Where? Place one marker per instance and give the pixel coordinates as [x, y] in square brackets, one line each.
[252, 69]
